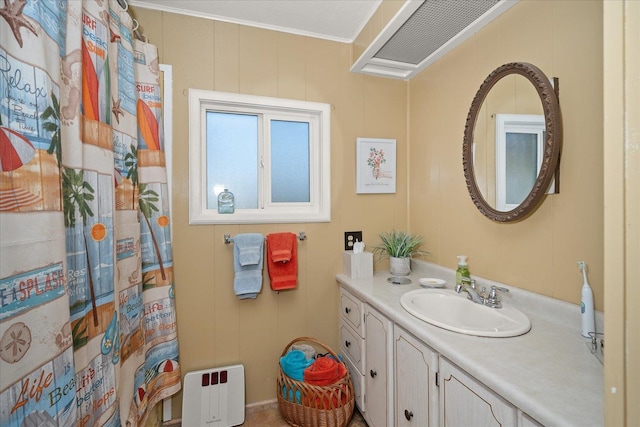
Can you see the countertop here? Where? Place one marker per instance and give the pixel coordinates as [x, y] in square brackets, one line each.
[548, 373]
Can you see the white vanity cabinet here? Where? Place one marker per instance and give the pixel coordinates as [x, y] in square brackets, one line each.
[366, 343]
[481, 382]
[394, 377]
[466, 402]
[378, 357]
[352, 342]
[416, 392]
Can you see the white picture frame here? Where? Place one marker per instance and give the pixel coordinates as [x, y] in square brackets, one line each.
[375, 166]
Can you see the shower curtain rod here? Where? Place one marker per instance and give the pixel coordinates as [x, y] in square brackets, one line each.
[136, 32]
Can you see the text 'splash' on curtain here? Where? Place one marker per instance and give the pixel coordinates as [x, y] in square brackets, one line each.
[87, 321]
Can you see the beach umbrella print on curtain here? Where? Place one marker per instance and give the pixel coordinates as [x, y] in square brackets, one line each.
[15, 151]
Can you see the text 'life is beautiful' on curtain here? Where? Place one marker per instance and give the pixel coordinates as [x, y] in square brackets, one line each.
[87, 316]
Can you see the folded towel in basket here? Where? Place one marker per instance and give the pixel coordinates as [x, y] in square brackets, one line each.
[308, 350]
[294, 363]
[324, 371]
[247, 264]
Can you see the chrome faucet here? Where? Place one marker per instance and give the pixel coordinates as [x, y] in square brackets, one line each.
[491, 300]
[469, 286]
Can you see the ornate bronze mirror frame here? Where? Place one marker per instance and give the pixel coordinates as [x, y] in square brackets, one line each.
[550, 161]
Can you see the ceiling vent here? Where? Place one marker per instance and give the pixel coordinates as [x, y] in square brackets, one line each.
[422, 32]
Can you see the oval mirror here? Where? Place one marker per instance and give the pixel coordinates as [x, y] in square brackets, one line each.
[512, 141]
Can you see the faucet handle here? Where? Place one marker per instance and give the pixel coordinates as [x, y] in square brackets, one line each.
[493, 300]
[470, 281]
[493, 292]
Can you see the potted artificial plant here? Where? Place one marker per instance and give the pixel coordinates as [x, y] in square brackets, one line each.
[400, 247]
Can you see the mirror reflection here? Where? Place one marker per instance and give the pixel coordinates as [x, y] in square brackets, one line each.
[508, 142]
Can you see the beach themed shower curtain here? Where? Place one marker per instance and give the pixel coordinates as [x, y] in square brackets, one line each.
[87, 321]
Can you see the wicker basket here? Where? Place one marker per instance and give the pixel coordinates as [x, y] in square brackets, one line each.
[311, 405]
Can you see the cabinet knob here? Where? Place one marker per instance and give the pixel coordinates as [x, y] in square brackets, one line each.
[347, 310]
[347, 343]
[408, 414]
[373, 373]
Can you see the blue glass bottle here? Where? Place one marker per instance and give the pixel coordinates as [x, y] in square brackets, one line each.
[226, 202]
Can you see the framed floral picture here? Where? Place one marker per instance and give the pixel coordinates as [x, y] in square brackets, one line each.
[375, 165]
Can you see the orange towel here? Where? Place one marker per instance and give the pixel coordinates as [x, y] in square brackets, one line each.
[282, 260]
[324, 371]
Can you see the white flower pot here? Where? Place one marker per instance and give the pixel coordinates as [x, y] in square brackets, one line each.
[399, 266]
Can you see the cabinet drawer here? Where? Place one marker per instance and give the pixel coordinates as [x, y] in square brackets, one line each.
[358, 383]
[352, 345]
[351, 310]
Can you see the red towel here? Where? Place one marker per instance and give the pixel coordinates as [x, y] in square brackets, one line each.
[282, 260]
[324, 371]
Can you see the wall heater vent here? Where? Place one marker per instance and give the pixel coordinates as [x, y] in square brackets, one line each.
[214, 397]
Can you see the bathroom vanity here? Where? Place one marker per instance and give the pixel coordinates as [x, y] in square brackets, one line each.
[407, 372]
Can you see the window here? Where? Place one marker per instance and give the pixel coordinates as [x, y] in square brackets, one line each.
[519, 152]
[272, 154]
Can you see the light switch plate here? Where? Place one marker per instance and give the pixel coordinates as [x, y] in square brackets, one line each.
[350, 237]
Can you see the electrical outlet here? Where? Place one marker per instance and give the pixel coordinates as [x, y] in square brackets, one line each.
[350, 237]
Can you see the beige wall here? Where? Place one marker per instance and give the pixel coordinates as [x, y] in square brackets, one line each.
[564, 39]
[214, 327]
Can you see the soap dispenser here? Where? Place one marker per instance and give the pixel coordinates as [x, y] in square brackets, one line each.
[463, 269]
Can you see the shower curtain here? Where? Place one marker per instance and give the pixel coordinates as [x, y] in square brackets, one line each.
[87, 315]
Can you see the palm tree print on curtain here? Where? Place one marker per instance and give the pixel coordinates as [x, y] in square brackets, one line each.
[77, 194]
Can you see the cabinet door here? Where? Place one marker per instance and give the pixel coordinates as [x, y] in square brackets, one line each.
[378, 372]
[415, 379]
[465, 402]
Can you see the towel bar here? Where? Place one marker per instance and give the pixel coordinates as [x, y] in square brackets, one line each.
[228, 239]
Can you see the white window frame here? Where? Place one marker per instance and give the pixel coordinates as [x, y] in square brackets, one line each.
[319, 207]
[514, 123]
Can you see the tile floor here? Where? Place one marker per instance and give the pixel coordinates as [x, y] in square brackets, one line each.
[269, 416]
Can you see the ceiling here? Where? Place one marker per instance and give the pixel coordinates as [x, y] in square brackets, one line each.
[337, 20]
[420, 33]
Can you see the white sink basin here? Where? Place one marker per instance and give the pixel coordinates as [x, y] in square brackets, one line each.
[452, 311]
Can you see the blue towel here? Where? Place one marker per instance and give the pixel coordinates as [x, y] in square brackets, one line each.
[247, 264]
[249, 246]
[294, 363]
